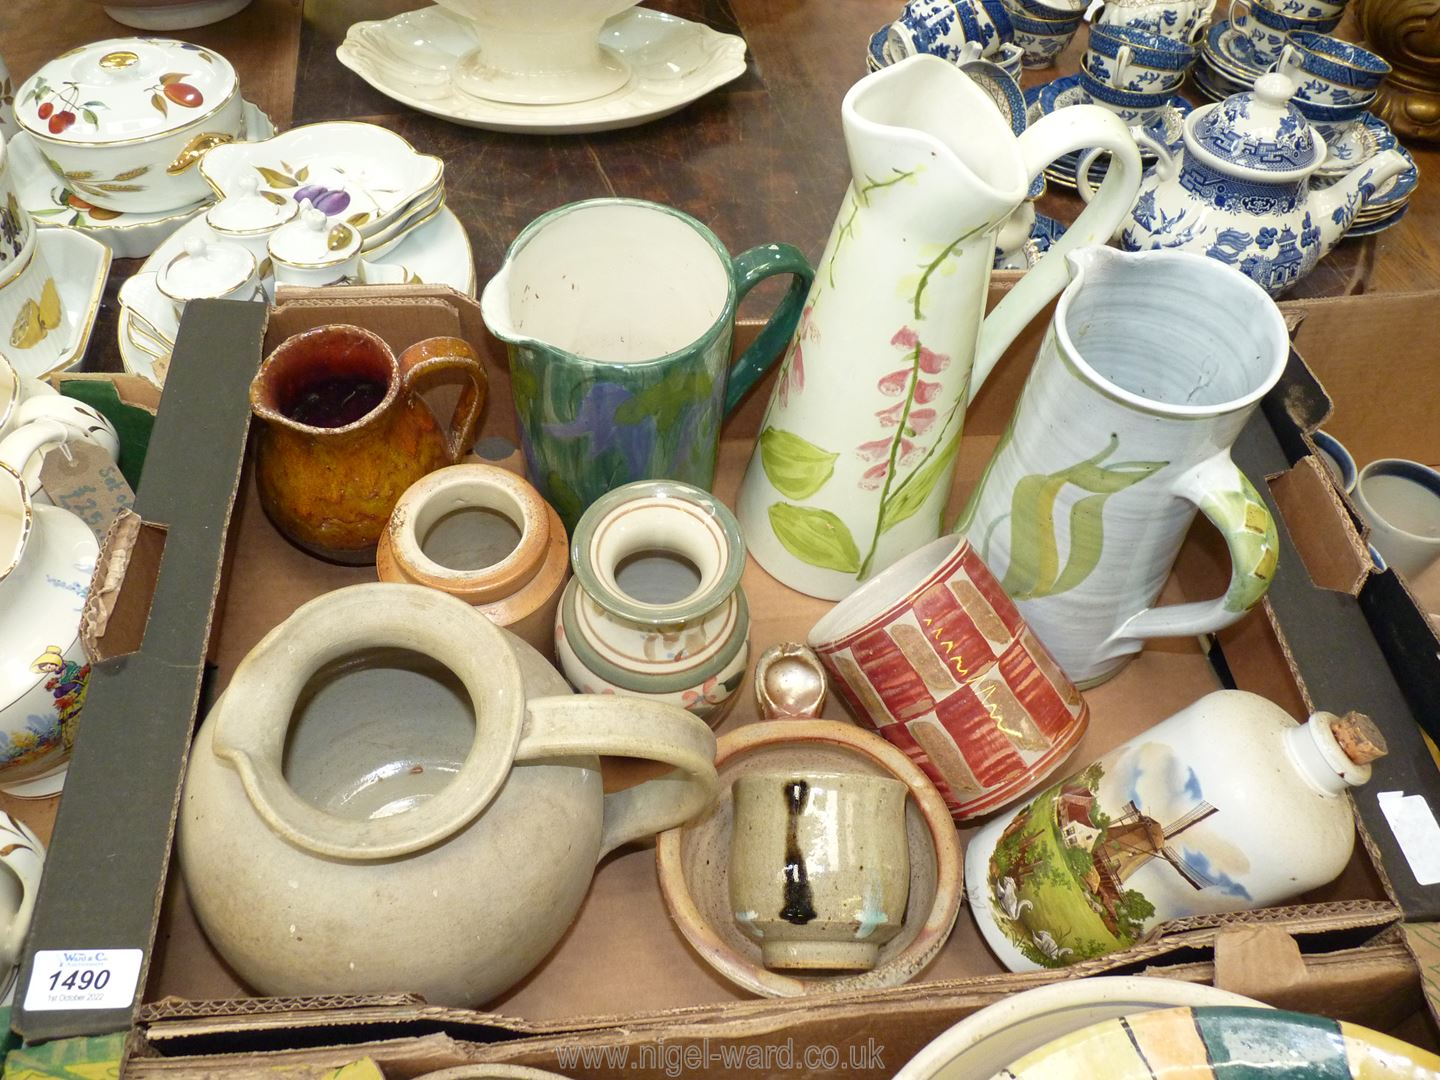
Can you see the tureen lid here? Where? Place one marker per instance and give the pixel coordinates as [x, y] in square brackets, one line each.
[124, 90]
[248, 211]
[1257, 131]
[205, 268]
[310, 240]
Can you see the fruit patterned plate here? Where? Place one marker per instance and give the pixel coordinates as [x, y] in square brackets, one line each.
[362, 174]
[1222, 1042]
[51, 201]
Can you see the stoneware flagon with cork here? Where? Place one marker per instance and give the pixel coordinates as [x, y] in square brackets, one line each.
[1225, 806]
[344, 431]
[359, 811]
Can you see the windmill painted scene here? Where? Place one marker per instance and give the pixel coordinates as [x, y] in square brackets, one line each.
[1062, 873]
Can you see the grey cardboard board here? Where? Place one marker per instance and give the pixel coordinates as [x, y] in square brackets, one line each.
[111, 845]
[1332, 646]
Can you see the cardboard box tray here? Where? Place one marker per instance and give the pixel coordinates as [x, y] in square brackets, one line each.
[623, 973]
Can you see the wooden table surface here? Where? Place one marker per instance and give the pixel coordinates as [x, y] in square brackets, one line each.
[760, 160]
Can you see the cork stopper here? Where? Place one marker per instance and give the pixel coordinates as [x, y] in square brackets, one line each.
[1359, 737]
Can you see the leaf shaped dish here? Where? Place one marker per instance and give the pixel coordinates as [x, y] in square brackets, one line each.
[361, 174]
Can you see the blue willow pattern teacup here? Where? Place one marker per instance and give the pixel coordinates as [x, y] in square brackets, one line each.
[1042, 41]
[941, 27]
[1130, 58]
[1266, 29]
[1131, 107]
[1328, 70]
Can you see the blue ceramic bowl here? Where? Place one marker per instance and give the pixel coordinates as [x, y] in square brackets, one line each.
[1340, 62]
[1149, 49]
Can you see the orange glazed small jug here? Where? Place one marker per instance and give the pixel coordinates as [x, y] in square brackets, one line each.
[345, 432]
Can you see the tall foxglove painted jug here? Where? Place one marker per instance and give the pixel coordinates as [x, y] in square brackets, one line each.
[854, 461]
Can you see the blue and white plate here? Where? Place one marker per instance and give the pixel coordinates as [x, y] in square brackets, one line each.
[1231, 52]
[1373, 227]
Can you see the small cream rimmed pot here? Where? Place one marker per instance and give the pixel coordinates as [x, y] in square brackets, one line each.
[819, 867]
[208, 269]
[309, 251]
[125, 120]
[484, 535]
[1401, 501]
[1153, 364]
[655, 609]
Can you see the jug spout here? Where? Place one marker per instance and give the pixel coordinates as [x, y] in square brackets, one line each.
[495, 307]
[924, 122]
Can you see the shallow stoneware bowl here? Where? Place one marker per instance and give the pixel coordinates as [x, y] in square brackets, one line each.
[693, 861]
[986, 1041]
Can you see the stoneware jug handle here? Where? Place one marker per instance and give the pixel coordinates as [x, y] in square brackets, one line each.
[1230, 501]
[426, 359]
[1076, 128]
[23, 855]
[748, 269]
[572, 724]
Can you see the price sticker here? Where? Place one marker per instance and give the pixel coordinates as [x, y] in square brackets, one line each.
[83, 979]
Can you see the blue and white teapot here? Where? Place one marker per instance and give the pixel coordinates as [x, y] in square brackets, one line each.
[1240, 188]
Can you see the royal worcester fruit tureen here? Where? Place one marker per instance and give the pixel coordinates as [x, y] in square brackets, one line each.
[1240, 190]
[126, 120]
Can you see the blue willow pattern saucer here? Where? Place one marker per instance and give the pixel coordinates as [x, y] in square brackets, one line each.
[1231, 52]
[1167, 127]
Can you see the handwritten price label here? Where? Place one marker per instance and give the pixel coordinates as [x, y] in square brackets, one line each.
[83, 979]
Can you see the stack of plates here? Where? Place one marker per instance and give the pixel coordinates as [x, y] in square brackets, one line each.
[1227, 64]
[361, 174]
[1167, 127]
[1366, 138]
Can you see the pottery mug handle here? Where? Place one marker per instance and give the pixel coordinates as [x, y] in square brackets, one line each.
[1078, 127]
[1224, 495]
[22, 854]
[749, 269]
[571, 724]
[426, 359]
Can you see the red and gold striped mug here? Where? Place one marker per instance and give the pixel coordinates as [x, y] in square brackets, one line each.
[935, 657]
